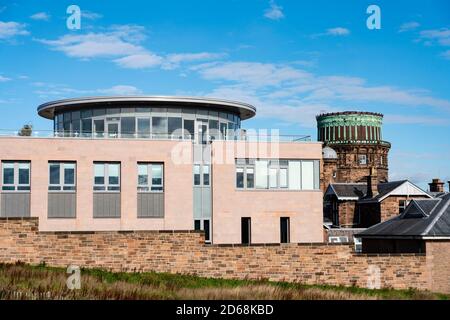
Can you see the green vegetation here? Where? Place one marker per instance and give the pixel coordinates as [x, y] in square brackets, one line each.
[21, 281]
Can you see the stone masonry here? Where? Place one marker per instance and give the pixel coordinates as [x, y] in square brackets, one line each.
[185, 252]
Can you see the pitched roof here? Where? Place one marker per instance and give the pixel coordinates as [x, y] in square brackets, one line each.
[422, 218]
[348, 191]
[358, 191]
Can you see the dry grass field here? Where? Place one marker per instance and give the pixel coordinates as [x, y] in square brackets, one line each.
[21, 281]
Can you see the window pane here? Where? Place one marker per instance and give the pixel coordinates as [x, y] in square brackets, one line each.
[273, 178]
[188, 129]
[250, 178]
[24, 173]
[86, 127]
[99, 174]
[8, 173]
[156, 174]
[239, 177]
[261, 171]
[197, 175]
[307, 175]
[214, 129]
[144, 128]
[113, 173]
[159, 127]
[206, 175]
[99, 127]
[54, 173]
[175, 127]
[283, 178]
[223, 131]
[143, 174]
[294, 175]
[128, 127]
[69, 173]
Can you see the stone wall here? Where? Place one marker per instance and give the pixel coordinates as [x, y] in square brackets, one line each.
[438, 258]
[185, 252]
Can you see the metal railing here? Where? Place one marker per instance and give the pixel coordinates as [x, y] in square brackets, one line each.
[156, 136]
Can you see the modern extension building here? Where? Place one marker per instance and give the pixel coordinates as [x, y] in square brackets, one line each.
[163, 163]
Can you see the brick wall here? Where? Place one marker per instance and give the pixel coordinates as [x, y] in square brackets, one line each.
[438, 258]
[185, 252]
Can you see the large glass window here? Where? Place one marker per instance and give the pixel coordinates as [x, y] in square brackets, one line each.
[143, 125]
[277, 174]
[16, 176]
[214, 129]
[106, 176]
[127, 127]
[86, 127]
[189, 129]
[159, 127]
[61, 176]
[175, 127]
[150, 177]
[99, 127]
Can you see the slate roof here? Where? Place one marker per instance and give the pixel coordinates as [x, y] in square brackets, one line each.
[384, 189]
[349, 190]
[422, 218]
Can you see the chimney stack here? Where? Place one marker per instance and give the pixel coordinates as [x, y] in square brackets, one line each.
[372, 183]
[436, 185]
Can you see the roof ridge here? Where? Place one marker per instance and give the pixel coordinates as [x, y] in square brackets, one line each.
[438, 216]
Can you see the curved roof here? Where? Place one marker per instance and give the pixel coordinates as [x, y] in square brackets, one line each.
[47, 110]
[329, 153]
[342, 113]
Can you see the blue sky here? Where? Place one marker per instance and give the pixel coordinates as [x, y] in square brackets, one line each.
[291, 59]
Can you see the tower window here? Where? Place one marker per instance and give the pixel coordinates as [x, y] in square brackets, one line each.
[362, 159]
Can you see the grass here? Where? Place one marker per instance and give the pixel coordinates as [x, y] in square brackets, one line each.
[20, 281]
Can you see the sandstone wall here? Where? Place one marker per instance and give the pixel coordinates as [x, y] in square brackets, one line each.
[185, 252]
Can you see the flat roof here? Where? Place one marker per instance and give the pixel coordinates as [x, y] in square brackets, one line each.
[245, 110]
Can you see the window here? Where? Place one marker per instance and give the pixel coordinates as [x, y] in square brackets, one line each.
[239, 178]
[206, 175]
[284, 230]
[175, 127]
[150, 177]
[16, 176]
[197, 225]
[86, 127]
[307, 175]
[277, 174]
[61, 176]
[159, 127]
[362, 159]
[189, 129]
[99, 127]
[197, 175]
[127, 127]
[246, 230]
[402, 204]
[250, 173]
[143, 125]
[106, 176]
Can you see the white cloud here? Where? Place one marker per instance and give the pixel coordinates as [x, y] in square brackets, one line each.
[409, 26]
[339, 31]
[4, 79]
[275, 12]
[294, 95]
[252, 73]
[11, 29]
[42, 16]
[122, 90]
[139, 61]
[441, 36]
[122, 44]
[420, 120]
[46, 90]
[117, 42]
[173, 60]
[90, 15]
